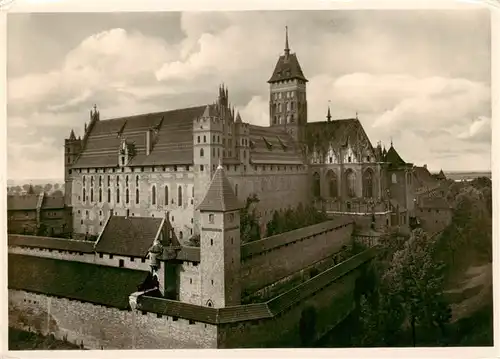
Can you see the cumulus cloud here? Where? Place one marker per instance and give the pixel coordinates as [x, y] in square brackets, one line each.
[404, 73]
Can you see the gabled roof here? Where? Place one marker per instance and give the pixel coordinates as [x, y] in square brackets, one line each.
[338, 134]
[220, 196]
[22, 202]
[423, 177]
[441, 175]
[272, 145]
[287, 68]
[103, 285]
[393, 157]
[172, 143]
[129, 236]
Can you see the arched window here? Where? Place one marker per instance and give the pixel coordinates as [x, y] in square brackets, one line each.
[137, 196]
[109, 195]
[100, 181]
[127, 196]
[92, 181]
[204, 139]
[192, 191]
[279, 107]
[209, 303]
[108, 179]
[316, 185]
[126, 180]
[351, 183]
[394, 178]
[166, 195]
[179, 196]
[236, 190]
[100, 195]
[211, 218]
[117, 195]
[117, 180]
[153, 195]
[137, 181]
[84, 180]
[368, 183]
[332, 184]
[84, 199]
[202, 153]
[91, 195]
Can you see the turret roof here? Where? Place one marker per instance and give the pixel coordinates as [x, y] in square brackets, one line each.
[220, 196]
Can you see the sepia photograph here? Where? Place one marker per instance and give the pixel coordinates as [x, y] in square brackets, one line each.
[249, 179]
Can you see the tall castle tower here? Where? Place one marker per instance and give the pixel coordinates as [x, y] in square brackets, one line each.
[72, 147]
[220, 244]
[288, 100]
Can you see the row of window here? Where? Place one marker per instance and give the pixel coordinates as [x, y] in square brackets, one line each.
[289, 106]
[287, 94]
[175, 168]
[154, 196]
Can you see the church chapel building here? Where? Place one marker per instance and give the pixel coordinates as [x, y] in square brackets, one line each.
[160, 164]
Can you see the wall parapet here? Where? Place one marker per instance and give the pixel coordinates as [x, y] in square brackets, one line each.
[62, 244]
[255, 311]
[282, 239]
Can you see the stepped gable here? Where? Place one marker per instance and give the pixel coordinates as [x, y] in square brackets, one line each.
[393, 157]
[287, 68]
[338, 134]
[172, 138]
[92, 283]
[22, 203]
[220, 196]
[129, 236]
[271, 145]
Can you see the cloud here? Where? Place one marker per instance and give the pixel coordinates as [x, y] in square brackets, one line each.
[408, 76]
[479, 130]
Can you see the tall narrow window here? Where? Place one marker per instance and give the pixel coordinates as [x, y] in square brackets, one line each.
[179, 196]
[202, 153]
[109, 182]
[153, 195]
[100, 195]
[166, 195]
[117, 180]
[126, 196]
[117, 195]
[100, 181]
[84, 180]
[136, 196]
[236, 190]
[137, 181]
[83, 196]
[109, 195]
[126, 181]
[91, 195]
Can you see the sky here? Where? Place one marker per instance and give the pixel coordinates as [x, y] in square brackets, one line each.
[420, 78]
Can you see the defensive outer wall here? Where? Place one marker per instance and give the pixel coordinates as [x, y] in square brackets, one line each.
[103, 312]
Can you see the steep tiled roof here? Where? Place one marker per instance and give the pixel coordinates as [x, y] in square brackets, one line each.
[53, 202]
[338, 134]
[441, 175]
[287, 68]
[423, 177]
[220, 196]
[393, 157]
[87, 282]
[22, 203]
[253, 248]
[50, 243]
[182, 253]
[128, 236]
[270, 145]
[172, 143]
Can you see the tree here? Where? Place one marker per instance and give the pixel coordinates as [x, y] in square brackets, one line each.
[48, 187]
[31, 189]
[249, 221]
[56, 186]
[58, 193]
[194, 241]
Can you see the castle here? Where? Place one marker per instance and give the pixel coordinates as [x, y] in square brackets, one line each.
[159, 164]
[144, 185]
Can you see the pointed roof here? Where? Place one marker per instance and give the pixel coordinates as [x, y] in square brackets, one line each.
[393, 157]
[441, 175]
[287, 67]
[72, 135]
[209, 111]
[220, 196]
[238, 117]
[328, 115]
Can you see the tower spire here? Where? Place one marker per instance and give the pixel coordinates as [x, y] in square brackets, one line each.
[328, 115]
[287, 47]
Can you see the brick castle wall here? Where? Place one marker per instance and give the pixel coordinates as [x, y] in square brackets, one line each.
[268, 267]
[107, 328]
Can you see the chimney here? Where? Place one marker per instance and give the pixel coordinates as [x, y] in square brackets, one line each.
[425, 166]
[148, 142]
